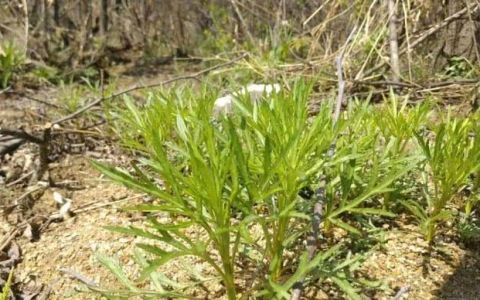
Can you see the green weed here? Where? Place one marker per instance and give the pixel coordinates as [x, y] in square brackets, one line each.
[449, 159]
[235, 181]
[362, 170]
[11, 61]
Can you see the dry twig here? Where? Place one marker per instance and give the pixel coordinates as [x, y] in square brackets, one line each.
[42, 101]
[312, 238]
[6, 241]
[82, 278]
[404, 290]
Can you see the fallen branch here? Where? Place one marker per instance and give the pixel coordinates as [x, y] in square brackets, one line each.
[21, 134]
[387, 83]
[28, 193]
[42, 102]
[20, 179]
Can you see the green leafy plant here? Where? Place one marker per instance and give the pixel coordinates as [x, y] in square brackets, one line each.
[469, 229]
[292, 151]
[400, 121]
[201, 199]
[473, 200]
[225, 175]
[235, 180]
[332, 264]
[460, 67]
[230, 184]
[362, 170]
[73, 96]
[450, 157]
[11, 60]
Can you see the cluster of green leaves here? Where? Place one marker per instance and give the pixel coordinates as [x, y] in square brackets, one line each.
[11, 60]
[449, 153]
[237, 179]
[229, 185]
[460, 67]
[363, 171]
[450, 158]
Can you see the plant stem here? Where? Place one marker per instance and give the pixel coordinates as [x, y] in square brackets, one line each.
[431, 230]
[277, 248]
[229, 280]
[228, 270]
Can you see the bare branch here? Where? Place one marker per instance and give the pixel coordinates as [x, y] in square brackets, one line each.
[21, 134]
[42, 101]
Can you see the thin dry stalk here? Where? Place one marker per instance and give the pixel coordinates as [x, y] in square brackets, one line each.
[407, 38]
[315, 13]
[242, 21]
[312, 239]
[26, 24]
[392, 25]
[318, 31]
